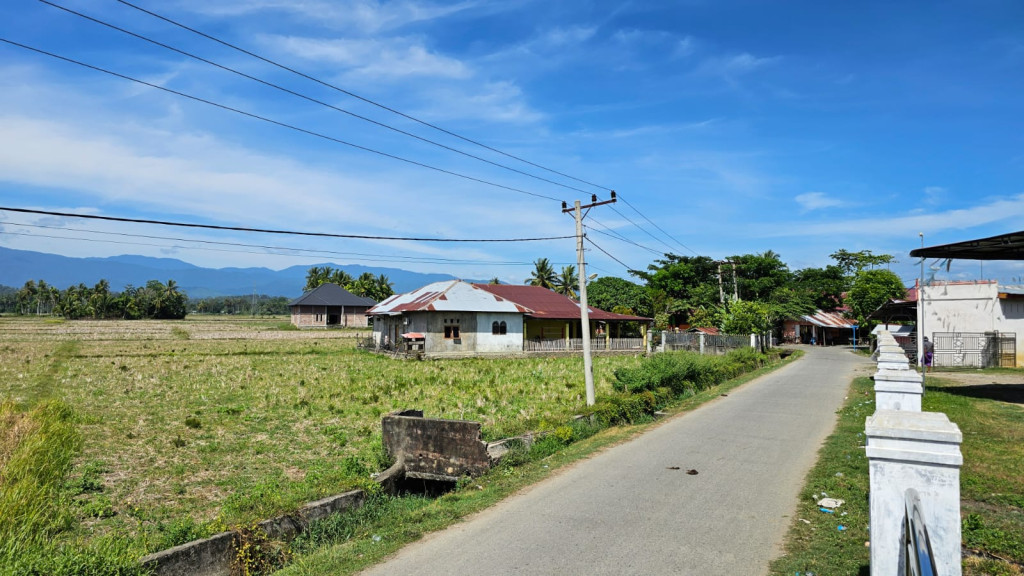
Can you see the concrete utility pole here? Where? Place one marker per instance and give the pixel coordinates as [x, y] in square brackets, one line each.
[721, 294]
[920, 321]
[588, 363]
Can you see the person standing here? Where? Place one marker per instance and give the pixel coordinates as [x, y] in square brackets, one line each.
[929, 351]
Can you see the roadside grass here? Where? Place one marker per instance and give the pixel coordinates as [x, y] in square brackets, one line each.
[992, 494]
[814, 542]
[349, 542]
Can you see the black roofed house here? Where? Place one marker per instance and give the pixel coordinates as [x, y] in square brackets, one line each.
[329, 305]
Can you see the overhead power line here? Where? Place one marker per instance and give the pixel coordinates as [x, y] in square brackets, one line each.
[651, 222]
[354, 95]
[271, 231]
[616, 236]
[307, 98]
[276, 122]
[294, 252]
[291, 250]
[606, 253]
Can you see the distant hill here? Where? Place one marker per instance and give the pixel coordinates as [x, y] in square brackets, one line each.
[20, 266]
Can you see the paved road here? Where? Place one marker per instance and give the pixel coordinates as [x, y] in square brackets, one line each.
[624, 512]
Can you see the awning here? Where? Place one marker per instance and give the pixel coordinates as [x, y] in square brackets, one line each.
[1003, 247]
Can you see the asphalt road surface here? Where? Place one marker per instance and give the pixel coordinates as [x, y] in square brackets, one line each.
[628, 511]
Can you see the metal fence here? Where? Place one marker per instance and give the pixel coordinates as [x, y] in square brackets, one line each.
[974, 349]
[713, 344]
[576, 344]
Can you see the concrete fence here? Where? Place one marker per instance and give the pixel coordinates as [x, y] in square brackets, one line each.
[712, 343]
[910, 452]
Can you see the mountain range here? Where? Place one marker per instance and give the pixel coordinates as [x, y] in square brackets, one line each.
[20, 266]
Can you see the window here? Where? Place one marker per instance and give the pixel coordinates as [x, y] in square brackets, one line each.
[451, 328]
[503, 328]
[495, 328]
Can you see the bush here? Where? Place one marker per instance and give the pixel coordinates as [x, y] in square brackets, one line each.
[685, 372]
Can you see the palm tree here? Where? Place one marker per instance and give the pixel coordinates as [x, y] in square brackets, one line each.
[568, 282]
[543, 274]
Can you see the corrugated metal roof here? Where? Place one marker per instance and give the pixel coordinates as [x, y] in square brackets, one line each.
[545, 303]
[1015, 289]
[331, 295]
[894, 329]
[824, 319]
[446, 296]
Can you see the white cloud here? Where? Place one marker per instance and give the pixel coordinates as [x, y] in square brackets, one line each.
[934, 194]
[391, 58]
[365, 16]
[501, 101]
[736, 65]
[816, 201]
[670, 44]
[998, 210]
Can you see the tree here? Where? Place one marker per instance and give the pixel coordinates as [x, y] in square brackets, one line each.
[748, 317]
[824, 286]
[543, 275]
[871, 289]
[609, 293]
[679, 284]
[568, 282]
[758, 275]
[854, 262]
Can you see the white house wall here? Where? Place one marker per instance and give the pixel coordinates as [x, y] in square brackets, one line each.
[972, 307]
[511, 341]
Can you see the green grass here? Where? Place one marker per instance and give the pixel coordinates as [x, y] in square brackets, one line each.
[243, 421]
[350, 542]
[191, 427]
[992, 494]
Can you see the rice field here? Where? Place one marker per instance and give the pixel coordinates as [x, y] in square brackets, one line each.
[190, 426]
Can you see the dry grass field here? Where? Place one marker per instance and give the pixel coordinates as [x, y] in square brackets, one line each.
[188, 426]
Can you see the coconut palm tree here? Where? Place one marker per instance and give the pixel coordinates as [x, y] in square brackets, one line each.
[568, 282]
[543, 274]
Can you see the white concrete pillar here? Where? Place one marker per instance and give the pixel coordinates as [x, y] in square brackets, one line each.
[919, 450]
[898, 390]
[700, 339]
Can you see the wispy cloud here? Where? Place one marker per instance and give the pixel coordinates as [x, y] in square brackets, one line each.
[501, 102]
[668, 43]
[816, 201]
[994, 211]
[390, 59]
[735, 66]
[365, 16]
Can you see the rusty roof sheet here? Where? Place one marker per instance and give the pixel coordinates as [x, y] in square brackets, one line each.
[446, 296]
[545, 303]
[824, 319]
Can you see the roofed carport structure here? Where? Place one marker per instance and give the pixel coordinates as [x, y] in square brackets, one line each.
[1002, 247]
[1009, 246]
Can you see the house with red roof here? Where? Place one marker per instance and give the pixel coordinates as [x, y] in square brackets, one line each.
[453, 318]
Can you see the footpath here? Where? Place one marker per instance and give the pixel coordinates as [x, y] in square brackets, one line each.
[635, 509]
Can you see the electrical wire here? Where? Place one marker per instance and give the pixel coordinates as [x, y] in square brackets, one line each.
[271, 231]
[354, 95]
[385, 259]
[297, 251]
[307, 98]
[641, 228]
[606, 253]
[626, 240]
[642, 215]
[276, 122]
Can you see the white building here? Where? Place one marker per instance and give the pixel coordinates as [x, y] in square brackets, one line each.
[976, 307]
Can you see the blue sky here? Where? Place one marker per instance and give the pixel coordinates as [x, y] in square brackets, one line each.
[735, 126]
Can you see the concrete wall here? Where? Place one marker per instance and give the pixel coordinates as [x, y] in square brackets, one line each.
[971, 307]
[510, 342]
[474, 331]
